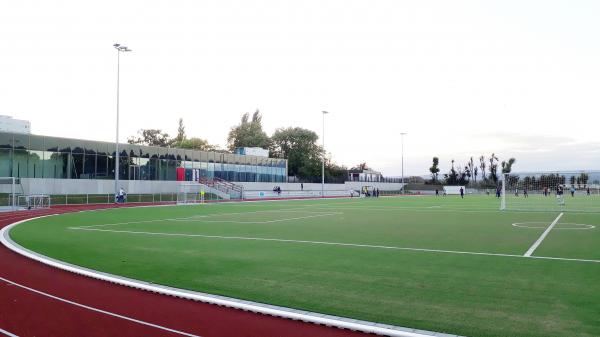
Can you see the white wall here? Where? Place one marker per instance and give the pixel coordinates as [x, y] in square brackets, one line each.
[95, 186]
[354, 185]
[9, 124]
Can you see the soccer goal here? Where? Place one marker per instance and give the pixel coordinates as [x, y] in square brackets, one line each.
[551, 191]
[33, 201]
[8, 193]
[191, 193]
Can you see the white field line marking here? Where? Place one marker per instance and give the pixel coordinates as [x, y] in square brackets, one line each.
[326, 243]
[4, 332]
[265, 309]
[98, 310]
[200, 216]
[267, 221]
[542, 237]
[579, 226]
[414, 209]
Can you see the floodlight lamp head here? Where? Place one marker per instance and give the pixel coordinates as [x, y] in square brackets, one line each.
[116, 45]
[325, 112]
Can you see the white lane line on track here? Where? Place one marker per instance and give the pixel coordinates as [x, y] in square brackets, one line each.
[160, 327]
[536, 244]
[4, 332]
[328, 243]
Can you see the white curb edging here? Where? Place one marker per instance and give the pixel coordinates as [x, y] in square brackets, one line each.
[305, 316]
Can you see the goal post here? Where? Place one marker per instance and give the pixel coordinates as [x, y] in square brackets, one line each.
[551, 191]
[8, 192]
[191, 193]
[34, 201]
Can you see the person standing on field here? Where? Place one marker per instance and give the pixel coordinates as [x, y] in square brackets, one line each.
[121, 197]
[462, 193]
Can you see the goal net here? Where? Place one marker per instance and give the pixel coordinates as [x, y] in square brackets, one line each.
[8, 193]
[191, 193]
[33, 201]
[552, 191]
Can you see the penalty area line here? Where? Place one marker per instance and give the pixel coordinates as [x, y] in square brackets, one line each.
[536, 244]
[328, 243]
[60, 299]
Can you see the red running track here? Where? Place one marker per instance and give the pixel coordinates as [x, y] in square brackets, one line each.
[38, 300]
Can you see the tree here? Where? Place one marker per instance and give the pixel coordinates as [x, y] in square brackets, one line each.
[299, 147]
[475, 172]
[248, 133]
[493, 169]
[452, 176]
[361, 167]
[334, 172]
[195, 143]
[482, 166]
[150, 137]
[471, 168]
[583, 179]
[468, 174]
[434, 169]
[507, 165]
[180, 133]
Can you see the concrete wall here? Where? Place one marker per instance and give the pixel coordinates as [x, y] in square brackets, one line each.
[349, 185]
[95, 186]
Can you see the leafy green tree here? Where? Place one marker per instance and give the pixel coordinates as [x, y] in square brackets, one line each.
[507, 165]
[361, 166]
[150, 137]
[434, 169]
[493, 169]
[334, 172]
[452, 176]
[299, 147]
[180, 133]
[248, 133]
[471, 169]
[583, 179]
[195, 143]
[482, 165]
[467, 174]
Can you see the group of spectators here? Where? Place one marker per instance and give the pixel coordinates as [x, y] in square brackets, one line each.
[374, 193]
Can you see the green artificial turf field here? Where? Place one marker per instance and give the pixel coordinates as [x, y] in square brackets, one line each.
[444, 264]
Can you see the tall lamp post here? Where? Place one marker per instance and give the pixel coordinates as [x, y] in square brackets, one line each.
[120, 49]
[402, 134]
[323, 163]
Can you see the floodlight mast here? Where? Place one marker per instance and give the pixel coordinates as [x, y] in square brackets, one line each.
[323, 162]
[402, 134]
[120, 49]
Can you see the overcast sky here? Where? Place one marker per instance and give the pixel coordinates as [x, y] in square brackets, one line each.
[462, 78]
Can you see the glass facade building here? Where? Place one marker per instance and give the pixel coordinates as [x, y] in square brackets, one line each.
[33, 156]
